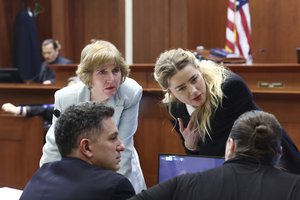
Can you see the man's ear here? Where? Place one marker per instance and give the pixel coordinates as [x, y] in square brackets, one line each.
[280, 151]
[85, 148]
[230, 148]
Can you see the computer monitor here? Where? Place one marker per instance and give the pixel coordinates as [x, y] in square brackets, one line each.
[10, 75]
[171, 165]
[298, 54]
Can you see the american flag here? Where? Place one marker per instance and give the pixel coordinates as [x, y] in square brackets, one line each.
[238, 30]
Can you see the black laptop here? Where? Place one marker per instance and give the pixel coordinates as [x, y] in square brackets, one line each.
[10, 75]
[171, 165]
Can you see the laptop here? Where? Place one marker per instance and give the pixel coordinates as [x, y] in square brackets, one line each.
[10, 75]
[171, 165]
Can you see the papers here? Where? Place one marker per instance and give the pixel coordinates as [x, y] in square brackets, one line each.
[7, 193]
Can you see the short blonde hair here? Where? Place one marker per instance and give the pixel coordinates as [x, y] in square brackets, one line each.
[96, 54]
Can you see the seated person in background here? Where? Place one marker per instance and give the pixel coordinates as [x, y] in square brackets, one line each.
[87, 139]
[252, 150]
[43, 110]
[50, 51]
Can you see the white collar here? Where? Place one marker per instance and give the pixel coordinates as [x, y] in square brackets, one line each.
[190, 108]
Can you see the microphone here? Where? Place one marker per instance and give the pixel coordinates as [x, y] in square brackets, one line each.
[251, 56]
[56, 113]
[34, 79]
[260, 50]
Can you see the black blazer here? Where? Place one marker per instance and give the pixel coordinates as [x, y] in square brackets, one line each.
[26, 46]
[72, 178]
[48, 74]
[238, 178]
[237, 100]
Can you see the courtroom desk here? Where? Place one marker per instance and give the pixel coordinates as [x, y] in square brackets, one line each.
[280, 76]
[255, 75]
[21, 138]
[22, 93]
[21, 141]
[154, 135]
[63, 72]
[273, 77]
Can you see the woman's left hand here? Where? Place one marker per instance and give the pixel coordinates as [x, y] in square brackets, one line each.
[190, 134]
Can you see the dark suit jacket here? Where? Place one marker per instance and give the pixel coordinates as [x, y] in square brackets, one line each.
[26, 47]
[71, 179]
[237, 100]
[48, 74]
[238, 179]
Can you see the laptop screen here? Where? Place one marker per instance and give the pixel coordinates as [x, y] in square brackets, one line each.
[171, 165]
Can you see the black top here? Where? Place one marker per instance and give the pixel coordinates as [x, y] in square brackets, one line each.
[238, 178]
[237, 100]
[47, 73]
[72, 178]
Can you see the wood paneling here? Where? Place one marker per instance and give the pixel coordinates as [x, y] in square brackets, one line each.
[8, 11]
[154, 135]
[276, 28]
[151, 29]
[20, 149]
[158, 25]
[206, 23]
[27, 93]
[75, 23]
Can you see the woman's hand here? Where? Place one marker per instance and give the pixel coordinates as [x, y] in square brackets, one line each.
[190, 134]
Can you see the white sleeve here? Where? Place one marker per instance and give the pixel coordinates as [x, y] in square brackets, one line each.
[50, 149]
[130, 165]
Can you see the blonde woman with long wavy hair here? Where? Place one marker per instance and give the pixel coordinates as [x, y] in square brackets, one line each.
[204, 99]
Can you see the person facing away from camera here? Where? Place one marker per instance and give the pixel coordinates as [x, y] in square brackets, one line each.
[104, 78]
[50, 51]
[205, 99]
[88, 140]
[252, 150]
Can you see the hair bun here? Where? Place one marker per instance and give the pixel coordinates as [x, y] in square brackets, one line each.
[262, 136]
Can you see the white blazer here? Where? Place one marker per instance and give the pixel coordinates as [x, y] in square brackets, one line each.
[126, 105]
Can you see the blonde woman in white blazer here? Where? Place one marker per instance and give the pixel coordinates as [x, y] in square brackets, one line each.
[104, 78]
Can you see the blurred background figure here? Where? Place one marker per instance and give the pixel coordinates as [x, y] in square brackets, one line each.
[50, 51]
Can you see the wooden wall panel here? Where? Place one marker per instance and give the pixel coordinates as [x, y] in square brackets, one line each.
[151, 31]
[206, 23]
[158, 25]
[105, 19]
[276, 28]
[20, 151]
[75, 23]
[154, 135]
[8, 11]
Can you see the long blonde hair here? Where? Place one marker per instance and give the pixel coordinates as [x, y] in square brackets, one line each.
[172, 61]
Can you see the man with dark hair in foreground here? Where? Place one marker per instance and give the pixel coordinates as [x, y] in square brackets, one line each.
[87, 139]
